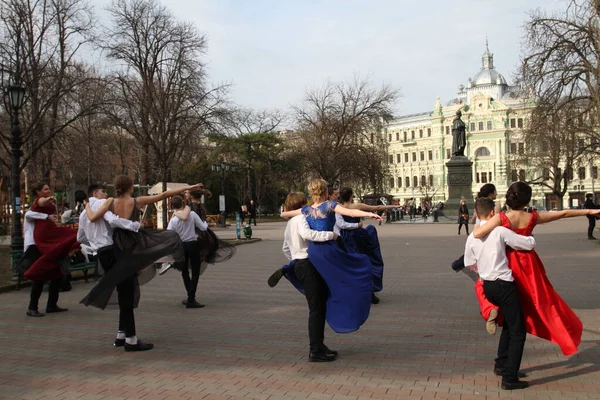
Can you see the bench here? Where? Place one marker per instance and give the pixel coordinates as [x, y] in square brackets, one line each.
[16, 255]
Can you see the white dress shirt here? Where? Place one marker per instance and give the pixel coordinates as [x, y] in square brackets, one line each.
[187, 229]
[489, 252]
[296, 236]
[29, 227]
[99, 234]
[340, 224]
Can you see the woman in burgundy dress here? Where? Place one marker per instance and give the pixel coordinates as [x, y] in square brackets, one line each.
[55, 244]
[547, 315]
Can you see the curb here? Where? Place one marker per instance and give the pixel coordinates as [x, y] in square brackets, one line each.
[24, 284]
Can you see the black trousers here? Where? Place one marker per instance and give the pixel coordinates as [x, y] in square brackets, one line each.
[591, 226]
[315, 290]
[36, 292]
[250, 218]
[512, 340]
[125, 291]
[466, 224]
[192, 261]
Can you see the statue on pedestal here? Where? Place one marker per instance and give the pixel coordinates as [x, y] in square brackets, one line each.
[459, 136]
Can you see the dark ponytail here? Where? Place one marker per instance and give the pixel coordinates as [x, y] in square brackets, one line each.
[486, 190]
[518, 195]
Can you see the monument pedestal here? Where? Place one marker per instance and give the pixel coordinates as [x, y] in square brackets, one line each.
[460, 181]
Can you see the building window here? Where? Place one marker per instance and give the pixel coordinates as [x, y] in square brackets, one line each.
[546, 174]
[390, 137]
[482, 152]
[594, 142]
[399, 182]
[594, 172]
[519, 122]
[415, 181]
[430, 154]
[472, 129]
[430, 180]
[423, 180]
[412, 134]
[420, 133]
[447, 130]
[513, 175]
[428, 132]
[580, 144]
[398, 158]
[569, 173]
[513, 148]
[513, 123]
[414, 157]
[392, 183]
[477, 180]
[484, 177]
[480, 126]
[448, 153]
[391, 158]
[521, 148]
[407, 181]
[581, 173]
[405, 157]
[522, 175]
[489, 125]
[397, 135]
[405, 136]
[422, 156]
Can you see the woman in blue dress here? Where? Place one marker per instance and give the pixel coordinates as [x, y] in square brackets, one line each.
[348, 275]
[357, 239]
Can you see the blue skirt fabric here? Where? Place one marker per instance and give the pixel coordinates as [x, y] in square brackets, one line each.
[350, 282]
[365, 241]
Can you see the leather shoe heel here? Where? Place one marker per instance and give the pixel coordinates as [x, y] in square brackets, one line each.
[119, 342]
[139, 346]
[275, 277]
[34, 313]
[320, 357]
[193, 304]
[56, 309]
[514, 385]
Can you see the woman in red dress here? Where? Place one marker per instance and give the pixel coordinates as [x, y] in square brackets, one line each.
[55, 243]
[547, 315]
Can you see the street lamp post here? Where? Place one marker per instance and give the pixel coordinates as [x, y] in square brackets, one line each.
[16, 98]
[222, 168]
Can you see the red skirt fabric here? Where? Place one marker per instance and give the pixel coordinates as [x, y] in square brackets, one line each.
[54, 243]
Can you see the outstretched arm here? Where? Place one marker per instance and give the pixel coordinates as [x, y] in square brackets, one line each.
[544, 217]
[94, 216]
[183, 214]
[356, 213]
[145, 200]
[366, 207]
[480, 231]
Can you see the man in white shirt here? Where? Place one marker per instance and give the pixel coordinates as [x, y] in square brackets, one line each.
[295, 247]
[489, 255]
[187, 232]
[98, 236]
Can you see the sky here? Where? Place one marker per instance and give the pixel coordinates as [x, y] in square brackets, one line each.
[272, 52]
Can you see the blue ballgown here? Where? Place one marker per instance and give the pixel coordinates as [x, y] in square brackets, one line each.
[349, 276]
[365, 241]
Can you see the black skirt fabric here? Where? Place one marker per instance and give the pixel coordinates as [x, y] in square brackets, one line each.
[135, 254]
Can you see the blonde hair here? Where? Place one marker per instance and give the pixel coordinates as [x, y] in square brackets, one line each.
[317, 188]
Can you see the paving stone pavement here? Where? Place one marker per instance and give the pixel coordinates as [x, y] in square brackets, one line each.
[425, 340]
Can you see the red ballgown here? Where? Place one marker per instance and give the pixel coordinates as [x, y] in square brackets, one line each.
[54, 243]
[547, 315]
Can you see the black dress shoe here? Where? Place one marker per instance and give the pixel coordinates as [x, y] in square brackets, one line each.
[193, 304]
[139, 346]
[275, 277]
[320, 357]
[374, 299]
[327, 350]
[34, 313]
[119, 342]
[514, 385]
[500, 372]
[184, 302]
[591, 238]
[56, 309]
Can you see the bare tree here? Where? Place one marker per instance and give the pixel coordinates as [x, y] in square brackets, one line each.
[162, 99]
[39, 46]
[336, 124]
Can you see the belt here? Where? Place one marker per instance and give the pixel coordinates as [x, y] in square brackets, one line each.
[501, 281]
